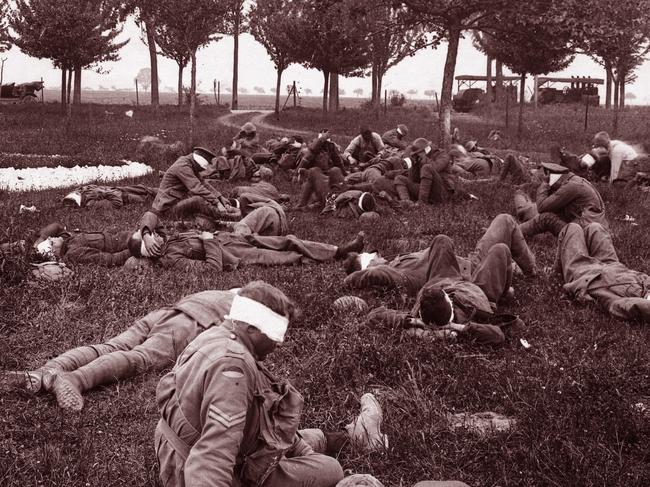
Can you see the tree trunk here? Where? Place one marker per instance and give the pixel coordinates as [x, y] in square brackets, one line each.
[447, 86]
[522, 97]
[278, 85]
[608, 86]
[235, 61]
[499, 83]
[380, 80]
[76, 97]
[180, 85]
[326, 84]
[334, 92]
[616, 85]
[621, 93]
[64, 99]
[69, 87]
[153, 58]
[192, 99]
[488, 85]
[373, 94]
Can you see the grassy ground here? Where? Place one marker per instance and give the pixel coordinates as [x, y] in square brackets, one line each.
[574, 392]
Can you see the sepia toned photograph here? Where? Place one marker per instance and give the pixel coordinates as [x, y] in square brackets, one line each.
[324, 243]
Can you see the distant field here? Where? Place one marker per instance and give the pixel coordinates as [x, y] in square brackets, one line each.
[246, 101]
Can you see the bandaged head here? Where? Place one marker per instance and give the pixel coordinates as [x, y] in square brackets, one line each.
[255, 314]
[74, 197]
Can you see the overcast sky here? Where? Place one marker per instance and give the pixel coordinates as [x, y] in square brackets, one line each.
[421, 72]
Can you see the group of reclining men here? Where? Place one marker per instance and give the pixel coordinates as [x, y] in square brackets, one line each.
[224, 416]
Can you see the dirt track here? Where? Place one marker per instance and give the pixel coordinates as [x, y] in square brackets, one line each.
[257, 118]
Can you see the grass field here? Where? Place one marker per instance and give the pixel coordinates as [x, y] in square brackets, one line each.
[574, 392]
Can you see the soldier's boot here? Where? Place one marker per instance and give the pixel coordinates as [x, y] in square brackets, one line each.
[68, 393]
[355, 245]
[365, 431]
[367, 187]
[32, 381]
[424, 191]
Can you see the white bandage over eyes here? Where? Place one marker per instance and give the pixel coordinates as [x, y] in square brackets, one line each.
[272, 324]
[200, 160]
[365, 258]
[553, 178]
[46, 248]
[399, 132]
[408, 162]
[427, 149]
[588, 160]
[74, 196]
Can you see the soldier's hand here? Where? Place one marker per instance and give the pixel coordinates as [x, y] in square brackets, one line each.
[206, 236]
[154, 248]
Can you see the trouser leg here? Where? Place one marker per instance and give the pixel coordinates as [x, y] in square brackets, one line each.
[166, 340]
[544, 222]
[442, 260]
[313, 470]
[573, 252]
[599, 243]
[318, 251]
[432, 188]
[80, 356]
[401, 186]
[263, 221]
[494, 273]
[504, 229]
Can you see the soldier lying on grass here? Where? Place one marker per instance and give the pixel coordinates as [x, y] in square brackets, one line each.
[227, 420]
[105, 248]
[489, 266]
[106, 197]
[592, 272]
[222, 251]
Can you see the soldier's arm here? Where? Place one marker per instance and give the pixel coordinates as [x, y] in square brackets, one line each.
[227, 396]
[174, 257]
[196, 186]
[352, 147]
[556, 201]
[91, 255]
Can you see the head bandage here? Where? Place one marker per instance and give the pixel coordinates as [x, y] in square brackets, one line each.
[46, 248]
[360, 201]
[588, 160]
[200, 160]
[553, 178]
[365, 258]
[399, 131]
[74, 196]
[296, 144]
[272, 324]
[408, 162]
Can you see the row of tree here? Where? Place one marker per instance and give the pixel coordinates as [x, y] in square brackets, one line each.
[342, 37]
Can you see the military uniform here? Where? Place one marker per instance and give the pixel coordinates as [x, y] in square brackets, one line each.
[364, 150]
[429, 179]
[151, 343]
[227, 421]
[488, 266]
[108, 249]
[394, 139]
[181, 180]
[571, 198]
[95, 197]
[592, 272]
